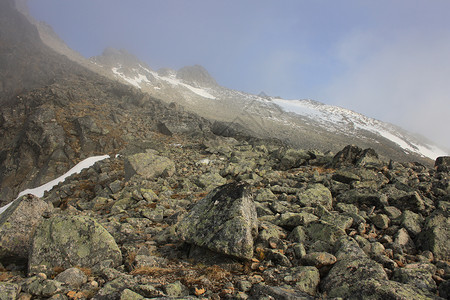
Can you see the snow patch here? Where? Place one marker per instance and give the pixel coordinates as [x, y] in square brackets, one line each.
[136, 81]
[141, 78]
[39, 191]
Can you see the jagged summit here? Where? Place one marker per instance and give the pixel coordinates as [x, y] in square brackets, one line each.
[197, 76]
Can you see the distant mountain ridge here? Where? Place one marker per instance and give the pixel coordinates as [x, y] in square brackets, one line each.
[304, 123]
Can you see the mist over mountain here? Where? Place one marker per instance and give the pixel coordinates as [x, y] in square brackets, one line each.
[121, 182]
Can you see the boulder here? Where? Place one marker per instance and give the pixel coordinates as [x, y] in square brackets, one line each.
[316, 194]
[435, 236]
[303, 278]
[442, 163]
[354, 155]
[148, 165]
[17, 225]
[224, 221]
[67, 241]
[73, 277]
[352, 266]
[418, 275]
[9, 290]
[263, 291]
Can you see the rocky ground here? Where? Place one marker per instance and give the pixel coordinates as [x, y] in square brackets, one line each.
[220, 218]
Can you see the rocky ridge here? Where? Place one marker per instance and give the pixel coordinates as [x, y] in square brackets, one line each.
[313, 225]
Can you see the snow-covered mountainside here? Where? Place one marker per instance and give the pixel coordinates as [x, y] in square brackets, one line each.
[296, 121]
[335, 118]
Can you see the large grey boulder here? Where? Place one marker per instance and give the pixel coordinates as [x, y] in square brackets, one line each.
[148, 165]
[17, 226]
[435, 236]
[225, 221]
[69, 241]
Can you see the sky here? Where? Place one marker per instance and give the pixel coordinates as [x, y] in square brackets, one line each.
[387, 59]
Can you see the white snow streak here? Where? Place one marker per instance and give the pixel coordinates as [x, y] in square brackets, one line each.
[39, 191]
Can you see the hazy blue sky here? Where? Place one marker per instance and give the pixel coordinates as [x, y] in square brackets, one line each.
[388, 59]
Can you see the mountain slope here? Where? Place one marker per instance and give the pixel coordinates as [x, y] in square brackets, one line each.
[303, 123]
[55, 112]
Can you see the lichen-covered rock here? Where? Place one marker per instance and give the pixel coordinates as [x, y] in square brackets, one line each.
[9, 290]
[148, 165]
[17, 225]
[418, 275]
[303, 278]
[263, 291]
[381, 221]
[224, 221]
[128, 294]
[38, 286]
[435, 236]
[316, 194]
[345, 176]
[73, 277]
[210, 181]
[68, 241]
[291, 220]
[318, 259]
[373, 289]
[325, 232]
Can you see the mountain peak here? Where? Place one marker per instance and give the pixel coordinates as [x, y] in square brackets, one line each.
[112, 56]
[197, 76]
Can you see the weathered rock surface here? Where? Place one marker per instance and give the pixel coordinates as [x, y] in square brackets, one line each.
[225, 221]
[68, 241]
[148, 165]
[17, 226]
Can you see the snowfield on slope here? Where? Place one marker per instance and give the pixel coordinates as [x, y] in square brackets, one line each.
[347, 121]
[141, 78]
[40, 190]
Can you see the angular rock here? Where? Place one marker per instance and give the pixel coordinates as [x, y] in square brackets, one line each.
[148, 165]
[304, 278]
[73, 277]
[324, 232]
[128, 294]
[68, 241]
[352, 267]
[318, 259]
[224, 221]
[412, 222]
[176, 289]
[210, 181]
[262, 291]
[442, 164]
[316, 194]
[381, 289]
[291, 220]
[403, 240]
[435, 236]
[354, 155]
[345, 176]
[418, 275]
[293, 159]
[381, 221]
[9, 290]
[17, 226]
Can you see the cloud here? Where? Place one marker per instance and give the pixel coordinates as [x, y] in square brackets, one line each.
[403, 81]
